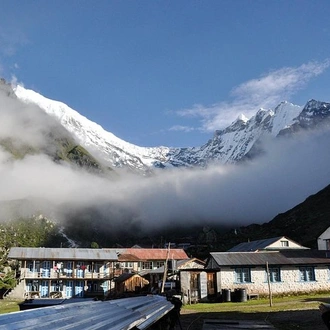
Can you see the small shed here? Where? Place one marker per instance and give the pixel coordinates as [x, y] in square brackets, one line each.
[130, 282]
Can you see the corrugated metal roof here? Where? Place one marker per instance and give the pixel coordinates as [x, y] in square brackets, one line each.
[126, 276]
[125, 254]
[248, 258]
[261, 244]
[157, 254]
[127, 313]
[254, 245]
[179, 265]
[21, 253]
[307, 256]
[128, 257]
[288, 257]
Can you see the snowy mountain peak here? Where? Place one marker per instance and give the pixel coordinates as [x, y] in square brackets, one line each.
[93, 137]
[242, 117]
[228, 145]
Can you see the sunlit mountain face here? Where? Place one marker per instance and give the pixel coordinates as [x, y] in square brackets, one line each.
[230, 145]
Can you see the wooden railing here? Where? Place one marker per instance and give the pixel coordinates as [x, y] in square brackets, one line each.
[77, 273]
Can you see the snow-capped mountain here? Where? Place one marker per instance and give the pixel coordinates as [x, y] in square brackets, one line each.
[228, 145]
[93, 137]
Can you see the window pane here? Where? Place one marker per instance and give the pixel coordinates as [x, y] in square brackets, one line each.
[307, 274]
[243, 275]
[274, 275]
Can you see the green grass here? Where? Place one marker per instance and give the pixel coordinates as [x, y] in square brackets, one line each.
[286, 313]
[9, 306]
[263, 304]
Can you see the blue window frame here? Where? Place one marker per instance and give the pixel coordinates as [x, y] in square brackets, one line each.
[307, 274]
[243, 275]
[274, 274]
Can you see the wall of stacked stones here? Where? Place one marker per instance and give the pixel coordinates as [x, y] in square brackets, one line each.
[290, 281]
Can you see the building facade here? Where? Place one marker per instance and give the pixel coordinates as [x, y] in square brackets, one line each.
[74, 272]
[64, 272]
[282, 272]
[323, 241]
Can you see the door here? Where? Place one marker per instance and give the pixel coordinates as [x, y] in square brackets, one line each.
[45, 269]
[80, 269]
[69, 289]
[211, 283]
[44, 289]
[79, 289]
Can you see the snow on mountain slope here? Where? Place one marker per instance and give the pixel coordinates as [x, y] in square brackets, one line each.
[228, 145]
[234, 142]
[93, 137]
[284, 115]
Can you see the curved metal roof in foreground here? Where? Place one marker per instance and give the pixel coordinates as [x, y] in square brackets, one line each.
[128, 313]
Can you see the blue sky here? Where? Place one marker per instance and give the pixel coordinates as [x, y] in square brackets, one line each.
[168, 72]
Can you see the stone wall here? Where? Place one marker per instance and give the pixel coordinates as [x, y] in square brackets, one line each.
[290, 281]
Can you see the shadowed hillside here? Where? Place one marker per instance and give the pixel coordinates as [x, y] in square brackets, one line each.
[304, 223]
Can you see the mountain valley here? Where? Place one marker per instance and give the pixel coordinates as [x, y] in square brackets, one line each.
[97, 188]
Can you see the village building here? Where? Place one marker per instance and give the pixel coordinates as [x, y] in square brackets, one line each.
[268, 244]
[323, 241]
[77, 272]
[63, 272]
[139, 259]
[243, 271]
[178, 275]
[282, 271]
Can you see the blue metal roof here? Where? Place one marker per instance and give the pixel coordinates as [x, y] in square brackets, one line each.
[127, 313]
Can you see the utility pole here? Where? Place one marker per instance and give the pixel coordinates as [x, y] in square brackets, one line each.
[269, 287]
[165, 268]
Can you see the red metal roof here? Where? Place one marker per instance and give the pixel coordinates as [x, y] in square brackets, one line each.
[157, 254]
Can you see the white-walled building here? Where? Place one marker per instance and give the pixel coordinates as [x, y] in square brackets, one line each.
[289, 271]
[323, 242]
[268, 244]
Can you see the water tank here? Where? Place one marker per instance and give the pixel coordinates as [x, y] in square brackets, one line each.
[241, 295]
[226, 295]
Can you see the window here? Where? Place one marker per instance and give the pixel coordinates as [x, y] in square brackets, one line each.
[274, 274]
[307, 274]
[243, 275]
[146, 265]
[284, 243]
[126, 264]
[327, 244]
[159, 264]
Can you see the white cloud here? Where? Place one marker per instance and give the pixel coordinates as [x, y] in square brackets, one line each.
[14, 81]
[264, 92]
[180, 128]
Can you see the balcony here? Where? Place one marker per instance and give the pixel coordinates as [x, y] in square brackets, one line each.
[65, 274]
